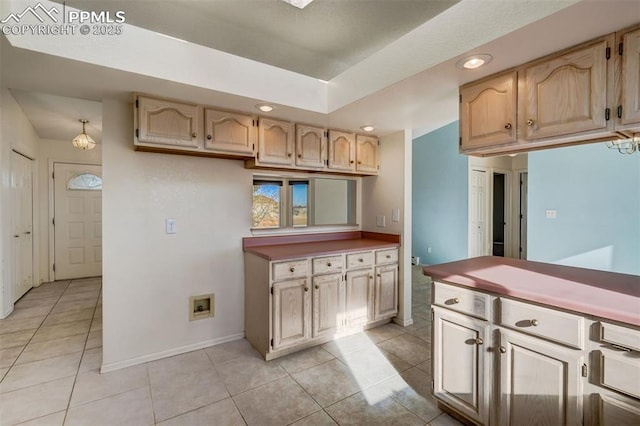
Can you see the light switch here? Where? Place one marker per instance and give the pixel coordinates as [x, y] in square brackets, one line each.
[551, 214]
[171, 226]
[395, 215]
[380, 221]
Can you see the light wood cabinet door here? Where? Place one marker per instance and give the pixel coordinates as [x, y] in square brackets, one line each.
[311, 147]
[168, 123]
[460, 363]
[629, 109]
[539, 382]
[359, 297]
[328, 304]
[291, 313]
[275, 143]
[229, 132]
[566, 94]
[608, 411]
[342, 151]
[488, 112]
[366, 154]
[386, 292]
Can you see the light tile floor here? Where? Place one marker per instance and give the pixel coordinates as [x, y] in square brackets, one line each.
[51, 352]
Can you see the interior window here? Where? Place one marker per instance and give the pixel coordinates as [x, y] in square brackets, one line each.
[299, 202]
[85, 181]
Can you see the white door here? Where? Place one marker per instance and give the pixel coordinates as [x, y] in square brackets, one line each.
[21, 225]
[478, 212]
[524, 179]
[77, 220]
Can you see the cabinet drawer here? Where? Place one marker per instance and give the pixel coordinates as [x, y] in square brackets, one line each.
[554, 325]
[290, 269]
[620, 371]
[324, 265]
[470, 302]
[360, 260]
[386, 256]
[620, 336]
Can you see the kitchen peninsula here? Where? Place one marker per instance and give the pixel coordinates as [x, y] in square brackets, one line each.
[520, 342]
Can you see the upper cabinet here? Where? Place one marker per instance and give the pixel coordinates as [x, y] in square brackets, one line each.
[311, 147]
[366, 154]
[342, 151]
[587, 93]
[628, 110]
[488, 112]
[275, 143]
[566, 94]
[166, 123]
[229, 132]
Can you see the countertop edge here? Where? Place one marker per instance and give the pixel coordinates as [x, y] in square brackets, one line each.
[263, 251]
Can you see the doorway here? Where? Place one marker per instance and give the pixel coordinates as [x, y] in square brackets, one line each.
[499, 211]
[524, 180]
[21, 225]
[77, 220]
[478, 212]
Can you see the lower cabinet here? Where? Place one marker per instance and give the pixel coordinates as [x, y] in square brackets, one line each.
[540, 382]
[460, 363]
[298, 303]
[498, 361]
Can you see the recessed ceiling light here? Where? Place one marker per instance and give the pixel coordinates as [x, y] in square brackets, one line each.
[265, 107]
[474, 61]
[368, 128]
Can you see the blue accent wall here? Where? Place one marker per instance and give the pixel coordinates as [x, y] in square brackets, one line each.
[440, 205]
[596, 192]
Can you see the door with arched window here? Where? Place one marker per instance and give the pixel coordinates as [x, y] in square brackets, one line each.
[77, 220]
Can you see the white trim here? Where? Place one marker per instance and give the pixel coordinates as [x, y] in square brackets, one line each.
[404, 323]
[106, 368]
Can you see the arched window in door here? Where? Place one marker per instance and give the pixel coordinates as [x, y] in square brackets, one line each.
[85, 181]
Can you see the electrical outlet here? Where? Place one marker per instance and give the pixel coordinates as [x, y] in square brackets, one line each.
[395, 215]
[428, 249]
[381, 221]
[551, 214]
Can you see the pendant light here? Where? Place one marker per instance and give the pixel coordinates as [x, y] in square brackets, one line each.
[83, 140]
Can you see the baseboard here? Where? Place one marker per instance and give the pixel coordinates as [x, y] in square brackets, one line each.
[170, 352]
[404, 323]
[6, 314]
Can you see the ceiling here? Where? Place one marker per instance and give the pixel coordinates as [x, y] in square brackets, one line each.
[322, 40]
[412, 65]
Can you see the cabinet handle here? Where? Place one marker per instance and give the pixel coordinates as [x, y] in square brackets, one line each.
[27, 233]
[456, 300]
[329, 264]
[507, 126]
[530, 122]
[503, 350]
[209, 137]
[388, 256]
[534, 322]
[306, 288]
[194, 135]
[479, 341]
[379, 275]
[16, 236]
[361, 260]
[316, 286]
[292, 269]
[619, 348]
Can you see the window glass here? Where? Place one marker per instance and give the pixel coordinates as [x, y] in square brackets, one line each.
[85, 181]
[299, 202]
[266, 204]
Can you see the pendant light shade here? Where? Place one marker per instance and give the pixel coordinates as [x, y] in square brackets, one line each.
[83, 140]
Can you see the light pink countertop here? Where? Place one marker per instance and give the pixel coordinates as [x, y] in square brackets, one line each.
[602, 294]
[296, 246]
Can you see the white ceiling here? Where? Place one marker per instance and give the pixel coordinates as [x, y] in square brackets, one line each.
[417, 89]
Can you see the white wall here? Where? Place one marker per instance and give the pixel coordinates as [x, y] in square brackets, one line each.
[16, 133]
[148, 276]
[391, 189]
[49, 152]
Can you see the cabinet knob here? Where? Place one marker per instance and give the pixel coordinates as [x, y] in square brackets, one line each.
[209, 137]
[456, 300]
[316, 286]
[292, 269]
[361, 260]
[379, 275]
[507, 126]
[370, 277]
[16, 236]
[299, 155]
[194, 135]
[359, 162]
[502, 350]
[534, 322]
[306, 288]
[530, 122]
[479, 341]
[289, 155]
[351, 162]
[388, 256]
[329, 264]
